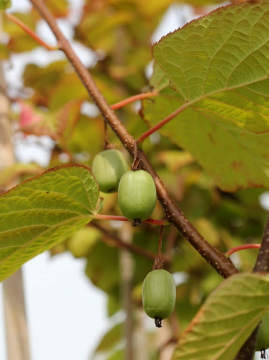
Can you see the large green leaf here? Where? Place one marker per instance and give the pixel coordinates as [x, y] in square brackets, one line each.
[223, 77]
[43, 211]
[234, 157]
[226, 319]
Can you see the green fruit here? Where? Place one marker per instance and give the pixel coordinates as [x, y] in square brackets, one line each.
[137, 195]
[159, 295]
[262, 342]
[108, 167]
[82, 241]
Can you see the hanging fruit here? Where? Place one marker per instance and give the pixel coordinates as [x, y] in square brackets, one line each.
[108, 167]
[137, 195]
[159, 295]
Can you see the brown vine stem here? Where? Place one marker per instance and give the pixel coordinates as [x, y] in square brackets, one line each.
[262, 265]
[132, 99]
[117, 242]
[213, 256]
[30, 32]
[162, 123]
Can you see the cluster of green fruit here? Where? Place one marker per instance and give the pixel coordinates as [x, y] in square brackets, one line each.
[137, 199]
[136, 189]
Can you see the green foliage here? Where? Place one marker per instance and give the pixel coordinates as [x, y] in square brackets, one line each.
[8, 175]
[4, 4]
[103, 274]
[117, 355]
[227, 318]
[224, 85]
[42, 212]
[19, 41]
[59, 8]
[110, 339]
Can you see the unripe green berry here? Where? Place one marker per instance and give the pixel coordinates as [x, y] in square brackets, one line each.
[82, 241]
[262, 342]
[108, 167]
[137, 195]
[158, 295]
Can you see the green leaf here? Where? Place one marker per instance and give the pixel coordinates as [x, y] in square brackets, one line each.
[97, 29]
[42, 79]
[19, 40]
[226, 319]
[59, 8]
[43, 211]
[202, 60]
[214, 144]
[59, 95]
[223, 78]
[85, 135]
[117, 355]
[103, 274]
[4, 4]
[110, 339]
[9, 174]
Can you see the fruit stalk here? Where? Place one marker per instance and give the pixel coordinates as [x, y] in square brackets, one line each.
[30, 32]
[132, 99]
[159, 259]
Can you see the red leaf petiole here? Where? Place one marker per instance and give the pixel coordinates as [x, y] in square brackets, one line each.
[242, 247]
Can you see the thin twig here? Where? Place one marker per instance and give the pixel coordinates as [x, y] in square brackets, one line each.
[262, 265]
[30, 32]
[117, 242]
[132, 99]
[162, 123]
[159, 259]
[213, 256]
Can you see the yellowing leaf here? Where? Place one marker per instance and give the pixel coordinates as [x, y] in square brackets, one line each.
[223, 77]
[4, 4]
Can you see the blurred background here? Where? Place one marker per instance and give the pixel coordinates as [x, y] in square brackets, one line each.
[75, 313]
